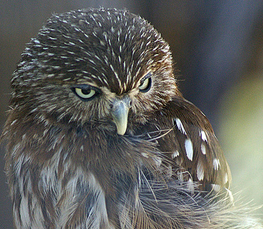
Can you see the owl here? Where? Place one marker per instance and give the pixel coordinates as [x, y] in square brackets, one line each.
[99, 135]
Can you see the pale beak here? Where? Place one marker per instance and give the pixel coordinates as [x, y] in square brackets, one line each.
[119, 112]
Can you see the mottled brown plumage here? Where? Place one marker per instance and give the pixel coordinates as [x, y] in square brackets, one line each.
[99, 135]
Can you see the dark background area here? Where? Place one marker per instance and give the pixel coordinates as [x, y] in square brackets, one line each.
[216, 45]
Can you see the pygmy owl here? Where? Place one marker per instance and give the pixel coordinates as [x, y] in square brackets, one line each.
[99, 135]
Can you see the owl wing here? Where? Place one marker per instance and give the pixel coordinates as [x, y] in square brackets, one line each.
[193, 148]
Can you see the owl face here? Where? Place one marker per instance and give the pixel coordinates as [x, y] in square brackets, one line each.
[74, 73]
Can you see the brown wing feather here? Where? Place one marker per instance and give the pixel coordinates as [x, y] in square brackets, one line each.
[193, 146]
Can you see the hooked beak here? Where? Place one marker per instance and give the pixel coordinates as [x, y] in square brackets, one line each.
[119, 112]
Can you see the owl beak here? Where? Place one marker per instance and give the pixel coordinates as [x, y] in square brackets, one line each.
[119, 112]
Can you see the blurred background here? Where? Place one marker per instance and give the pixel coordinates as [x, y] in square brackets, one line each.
[218, 49]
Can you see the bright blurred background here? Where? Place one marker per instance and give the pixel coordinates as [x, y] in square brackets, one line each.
[216, 45]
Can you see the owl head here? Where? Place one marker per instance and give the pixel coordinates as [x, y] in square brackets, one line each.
[106, 68]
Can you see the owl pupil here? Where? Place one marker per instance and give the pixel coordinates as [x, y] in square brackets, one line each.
[86, 91]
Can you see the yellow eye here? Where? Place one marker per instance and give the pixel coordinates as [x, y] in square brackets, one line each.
[85, 92]
[146, 83]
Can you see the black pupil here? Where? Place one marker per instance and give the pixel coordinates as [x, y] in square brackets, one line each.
[86, 91]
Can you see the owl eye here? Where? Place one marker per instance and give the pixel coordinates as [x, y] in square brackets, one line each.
[146, 83]
[85, 92]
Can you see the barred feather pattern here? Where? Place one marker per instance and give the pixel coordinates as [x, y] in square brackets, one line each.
[66, 165]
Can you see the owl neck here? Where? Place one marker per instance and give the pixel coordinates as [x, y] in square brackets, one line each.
[86, 147]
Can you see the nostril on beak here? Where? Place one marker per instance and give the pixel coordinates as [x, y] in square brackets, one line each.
[130, 103]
